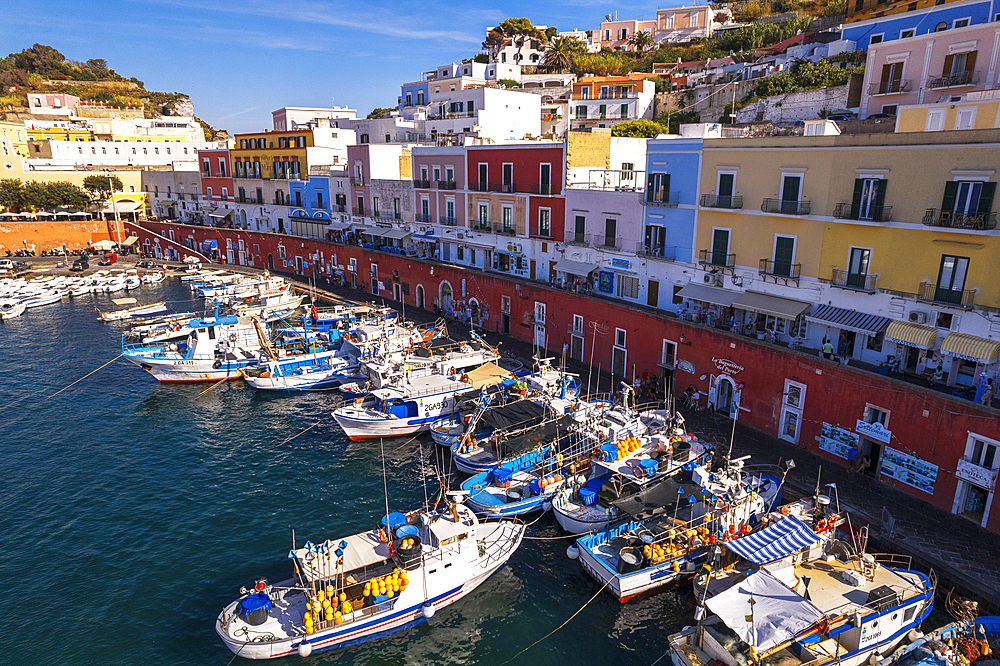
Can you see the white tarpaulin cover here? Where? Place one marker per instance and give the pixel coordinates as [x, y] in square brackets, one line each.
[361, 550]
[103, 245]
[777, 613]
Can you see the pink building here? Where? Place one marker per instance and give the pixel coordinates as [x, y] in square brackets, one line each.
[616, 34]
[936, 67]
[439, 181]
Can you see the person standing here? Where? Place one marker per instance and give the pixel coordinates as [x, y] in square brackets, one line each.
[987, 397]
[828, 350]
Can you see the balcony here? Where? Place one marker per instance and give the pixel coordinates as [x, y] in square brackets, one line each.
[447, 185]
[421, 184]
[505, 229]
[575, 330]
[780, 270]
[355, 180]
[578, 239]
[360, 212]
[783, 207]
[929, 293]
[854, 281]
[653, 198]
[448, 220]
[657, 252]
[846, 211]
[339, 209]
[963, 79]
[725, 201]
[422, 218]
[541, 188]
[481, 225]
[609, 242]
[971, 221]
[889, 87]
[479, 187]
[503, 188]
[720, 259]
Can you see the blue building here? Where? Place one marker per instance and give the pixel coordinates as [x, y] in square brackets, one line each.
[413, 94]
[920, 22]
[309, 209]
[673, 169]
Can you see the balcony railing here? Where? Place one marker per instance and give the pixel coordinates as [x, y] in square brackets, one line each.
[504, 188]
[660, 252]
[422, 218]
[541, 188]
[479, 187]
[849, 211]
[421, 184]
[653, 198]
[784, 207]
[929, 293]
[717, 258]
[963, 79]
[360, 212]
[889, 87]
[357, 181]
[578, 239]
[481, 225]
[339, 209]
[504, 229]
[448, 220]
[854, 281]
[614, 242]
[780, 270]
[447, 185]
[724, 201]
[972, 221]
[574, 330]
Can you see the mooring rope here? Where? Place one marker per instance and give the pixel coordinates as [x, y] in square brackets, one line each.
[84, 377]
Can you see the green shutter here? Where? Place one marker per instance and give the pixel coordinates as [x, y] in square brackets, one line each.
[665, 193]
[986, 198]
[650, 179]
[950, 192]
[880, 199]
[859, 184]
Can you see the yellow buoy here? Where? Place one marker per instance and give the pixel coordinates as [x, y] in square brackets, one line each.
[390, 594]
[321, 595]
[338, 620]
[343, 597]
[309, 629]
[330, 591]
[326, 603]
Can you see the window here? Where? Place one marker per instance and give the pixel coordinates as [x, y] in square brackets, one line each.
[946, 319]
[935, 120]
[484, 215]
[610, 232]
[483, 176]
[545, 179]
[657, 187]
[906, 34]
[225, 194]
[875, 414]
[951, 279]
[581, 111]
[961, 23]
[627, 171]
[784, 255]
[222, 167]
[375, 207]
[544, 222]
[793, 402]
[889, 109]
[628, 287]
[620, 337]
[966, 201]
[983, 454]
[877, 39]
[623, 33]
[892, 78]
[869, 199]
[720, 247]
[857, 267]
[941, 27]
[791, 192]
[508, 176]
[397, 208]
[507, 218]
[965, 118]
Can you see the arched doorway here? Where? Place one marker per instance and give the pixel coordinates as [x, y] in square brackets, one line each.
[445, 295]
[270, 262]
[243, 218]
[474, 310]
[420, 296]
[724, 391]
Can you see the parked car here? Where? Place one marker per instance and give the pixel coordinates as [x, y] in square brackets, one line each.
[840, 117]
[881, 116]
[108, 259]
[80, 264]
[6, 266]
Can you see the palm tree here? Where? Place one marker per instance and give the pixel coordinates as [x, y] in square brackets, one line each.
[641, 40]
[560, 52]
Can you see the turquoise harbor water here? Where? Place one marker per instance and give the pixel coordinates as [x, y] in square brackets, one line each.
[132, 512]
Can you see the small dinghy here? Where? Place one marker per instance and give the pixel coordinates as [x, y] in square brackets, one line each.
[128, 313]
[11, 308]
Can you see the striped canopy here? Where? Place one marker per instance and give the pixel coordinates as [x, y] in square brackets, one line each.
[971, 348]
[785, 537]
[912, 335]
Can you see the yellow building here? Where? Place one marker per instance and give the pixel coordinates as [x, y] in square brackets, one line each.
[976, 110]
[59, 134]
[16, 136]
[272, 155]
[862, 10]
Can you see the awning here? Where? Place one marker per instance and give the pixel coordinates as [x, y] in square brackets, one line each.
[103, 245]
[848, 320]
[776, 615]
[713, 295]
[396, 234]
[338, 226]
[131, 240]
[971, 348]
[427, 238]
[123, 207]
[209, 245]
[575, 267]
[486, 374]
[510, 253]
[784, 308]
[375, 232]
[912, 335]
[221, 215]
[789, 535]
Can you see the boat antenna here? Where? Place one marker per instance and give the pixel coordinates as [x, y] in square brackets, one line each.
[423, 474]
[385, 488]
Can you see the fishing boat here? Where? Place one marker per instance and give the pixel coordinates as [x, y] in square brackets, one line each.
[315, 367]
[45, 298]
[128, 313]
[680, 519]
[973, 640]
[153, 278]
[374, 583]
[11, 308]
[805, 603]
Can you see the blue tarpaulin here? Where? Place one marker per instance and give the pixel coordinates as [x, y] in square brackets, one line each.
[256, 602]
[788, 536]
[207, 245]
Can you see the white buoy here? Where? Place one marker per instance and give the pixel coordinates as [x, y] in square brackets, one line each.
[875, 659]
[914, 635]
[428, 610]
[305, 649]
[699, 613]
[573, 551]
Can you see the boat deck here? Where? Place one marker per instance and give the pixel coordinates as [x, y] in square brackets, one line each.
[829, 591]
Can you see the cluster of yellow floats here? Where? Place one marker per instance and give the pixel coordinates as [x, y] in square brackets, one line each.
[327, 605]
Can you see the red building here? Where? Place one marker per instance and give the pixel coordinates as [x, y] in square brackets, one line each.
[929, 444]
[217, 190]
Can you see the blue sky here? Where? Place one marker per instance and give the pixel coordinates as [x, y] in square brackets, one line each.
[241, 60]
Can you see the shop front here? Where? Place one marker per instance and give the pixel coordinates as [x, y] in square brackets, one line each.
[711, 306]
[971, 358]
[852, 333]
[913, 344]
[976, 473]
[770, 318]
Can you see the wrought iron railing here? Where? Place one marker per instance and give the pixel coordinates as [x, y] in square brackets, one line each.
[930, 293]
[963, 79]
[717, 258]
[781, 269]
[935, 217]
[724, 201]
[850, 211]
[662, 252]
[786, 207]
[855, 281]
[654, 198]
[889, 87]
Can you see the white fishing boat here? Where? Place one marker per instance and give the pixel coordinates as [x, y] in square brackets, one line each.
[11, 308]
[128, 313]
[806, 600]
[45, 298]
[380, 582]
[132, 282]
[153, 278]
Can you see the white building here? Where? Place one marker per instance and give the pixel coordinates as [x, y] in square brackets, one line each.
[52, 153]
[52, 104]
[492, 114]
[288, 117]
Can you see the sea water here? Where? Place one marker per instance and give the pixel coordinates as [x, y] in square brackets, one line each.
[133, 511]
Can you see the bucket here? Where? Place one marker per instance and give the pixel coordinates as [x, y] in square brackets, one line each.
[404, 531]
[514, 495]
[409, 556]
[630, 559]
[502, 477]
[394, 521]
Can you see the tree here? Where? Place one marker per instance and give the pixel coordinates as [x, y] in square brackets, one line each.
[560, 53]
[508, 83]
[641, 40]
[12, 194]
[100, 187]
[519, 26]
[550, 33]
[638, 128]
[379, 112]
[62, 193]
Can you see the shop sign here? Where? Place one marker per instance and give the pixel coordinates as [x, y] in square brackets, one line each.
[875, 431]
[685, 366]
[623, 264]
[840, 442]
[973, 473]
[727, 366]
[909, 470]
[605, 282]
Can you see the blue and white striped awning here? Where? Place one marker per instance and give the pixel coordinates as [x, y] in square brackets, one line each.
[848, 320]
[788, 536]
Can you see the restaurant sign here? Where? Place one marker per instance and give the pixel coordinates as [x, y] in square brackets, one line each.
[623, 264]
[875, 431]
[973, 473]
[685, 366]
[727, 366]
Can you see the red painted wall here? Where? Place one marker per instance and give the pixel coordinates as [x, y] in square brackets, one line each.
[929, 425]
[526, 163]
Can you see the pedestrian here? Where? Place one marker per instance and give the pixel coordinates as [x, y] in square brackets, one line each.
[938, 376]
[987, 397]
[695, 400]
[828, 350]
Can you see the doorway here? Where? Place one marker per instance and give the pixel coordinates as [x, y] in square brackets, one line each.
[724, 396]
[540, 336]
[420, 296]
[395, 292]
[270, 262]
[576, 348]
[871, 453]
[912, 359]
[445, 294]
[619, 359]
[505, 323]
[845, 344]
[653, 294]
